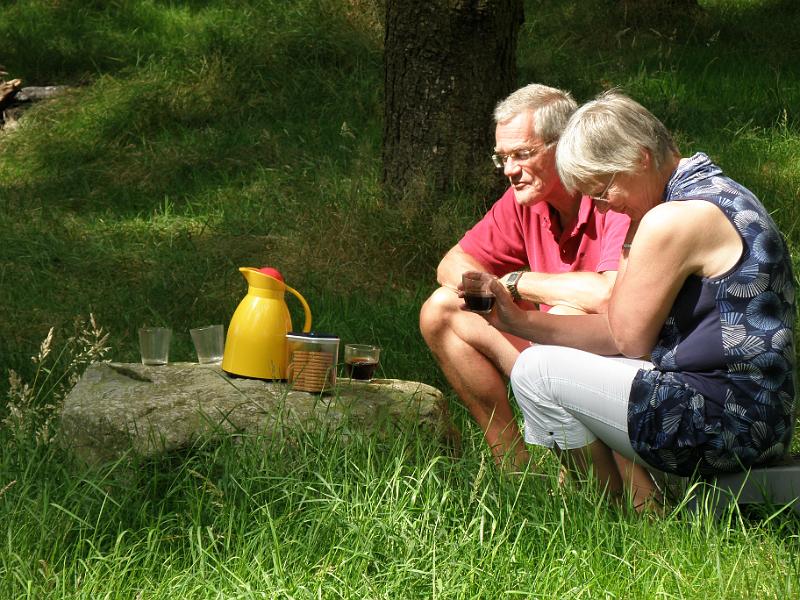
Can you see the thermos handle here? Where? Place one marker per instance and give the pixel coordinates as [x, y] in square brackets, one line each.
[307, 325]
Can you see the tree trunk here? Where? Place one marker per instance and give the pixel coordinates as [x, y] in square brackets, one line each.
[446, 64]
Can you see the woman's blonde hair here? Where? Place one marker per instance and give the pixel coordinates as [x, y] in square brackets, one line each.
[607, 135]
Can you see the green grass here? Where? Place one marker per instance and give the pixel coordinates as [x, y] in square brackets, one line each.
[369, 518]
[200, 136]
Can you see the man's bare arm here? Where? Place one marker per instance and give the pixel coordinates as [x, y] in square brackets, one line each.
[585, 291]
[454, 263]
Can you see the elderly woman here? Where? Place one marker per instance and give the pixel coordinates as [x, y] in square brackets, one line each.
[706, 293]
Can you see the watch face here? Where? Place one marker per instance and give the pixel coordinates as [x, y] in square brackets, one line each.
[514, 277]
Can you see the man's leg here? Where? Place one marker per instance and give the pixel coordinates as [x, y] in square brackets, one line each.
[476, 359]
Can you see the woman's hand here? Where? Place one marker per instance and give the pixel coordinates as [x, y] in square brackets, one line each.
[587, 332]
[505, 314]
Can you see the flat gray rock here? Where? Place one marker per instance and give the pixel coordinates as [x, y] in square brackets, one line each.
[116, 408]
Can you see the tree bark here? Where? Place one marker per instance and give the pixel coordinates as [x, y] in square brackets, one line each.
[446, 64]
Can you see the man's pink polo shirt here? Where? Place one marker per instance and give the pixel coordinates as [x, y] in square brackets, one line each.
[511, 237]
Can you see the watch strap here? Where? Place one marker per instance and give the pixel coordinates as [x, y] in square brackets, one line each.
[511, 285]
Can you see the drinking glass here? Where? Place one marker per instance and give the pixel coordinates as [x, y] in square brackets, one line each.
[154, 345]
[209, 343]
[477, 295]
[361, 361]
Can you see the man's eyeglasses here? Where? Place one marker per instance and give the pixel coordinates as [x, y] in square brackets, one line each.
[518, 156]
[602, 196]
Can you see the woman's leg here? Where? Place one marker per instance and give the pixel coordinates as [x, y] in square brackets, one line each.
[601, 460]
[577, 402]
[641, 486]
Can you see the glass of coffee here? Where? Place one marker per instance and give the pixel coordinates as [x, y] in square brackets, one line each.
[477, 295]
[361, 361]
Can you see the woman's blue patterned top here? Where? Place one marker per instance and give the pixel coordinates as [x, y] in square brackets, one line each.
[720, 397]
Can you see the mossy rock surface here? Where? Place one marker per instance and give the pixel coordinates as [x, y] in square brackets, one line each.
[116, 408]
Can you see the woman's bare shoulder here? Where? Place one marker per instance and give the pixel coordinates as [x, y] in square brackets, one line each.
[694, 233]
[684, 217]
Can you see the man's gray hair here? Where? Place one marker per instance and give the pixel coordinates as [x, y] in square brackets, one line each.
[551, 109]
[607, 136]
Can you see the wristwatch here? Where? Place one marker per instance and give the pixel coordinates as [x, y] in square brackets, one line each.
[511, 285]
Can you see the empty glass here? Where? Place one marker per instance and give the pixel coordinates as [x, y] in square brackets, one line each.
[154, 345]
[209, 343]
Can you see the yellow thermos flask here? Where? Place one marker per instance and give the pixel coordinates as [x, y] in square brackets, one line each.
[255, 345]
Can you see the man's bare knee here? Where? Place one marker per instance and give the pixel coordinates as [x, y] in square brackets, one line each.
[436, 312]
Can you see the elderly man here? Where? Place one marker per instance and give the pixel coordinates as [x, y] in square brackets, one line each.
[549, 246]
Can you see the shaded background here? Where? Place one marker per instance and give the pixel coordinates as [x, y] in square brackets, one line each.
[200, 136]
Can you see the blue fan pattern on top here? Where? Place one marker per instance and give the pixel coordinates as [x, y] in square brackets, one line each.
[720, 397]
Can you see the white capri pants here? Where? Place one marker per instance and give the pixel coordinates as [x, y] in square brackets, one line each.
[569, 398]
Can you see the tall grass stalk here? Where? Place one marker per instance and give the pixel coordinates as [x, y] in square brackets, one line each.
[32, 408]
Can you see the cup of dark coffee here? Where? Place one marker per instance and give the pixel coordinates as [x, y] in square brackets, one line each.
[477, 295]
[361, 361]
